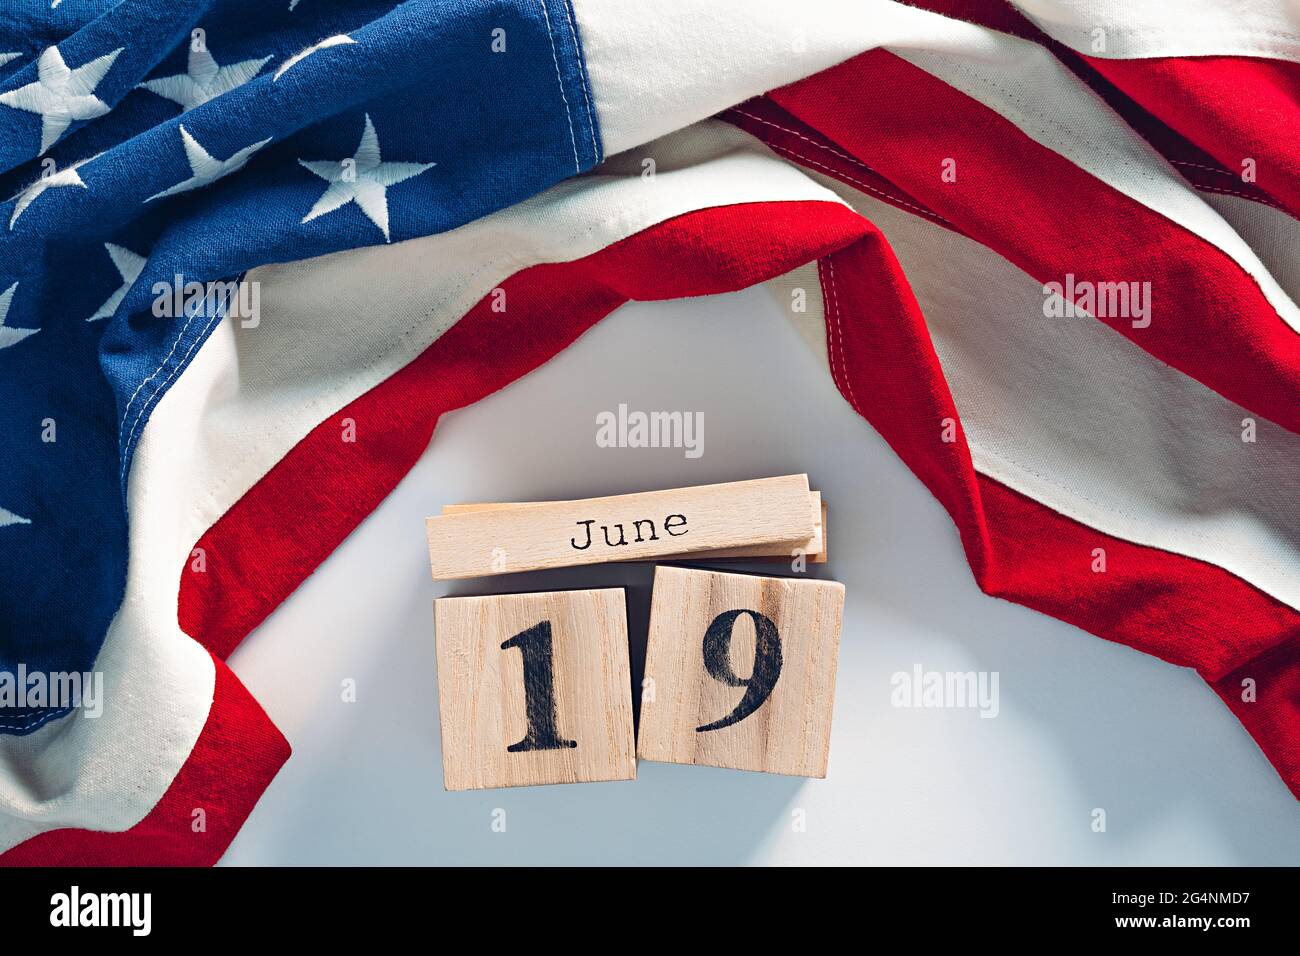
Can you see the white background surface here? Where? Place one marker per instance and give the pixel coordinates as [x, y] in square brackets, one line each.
[1083, 724]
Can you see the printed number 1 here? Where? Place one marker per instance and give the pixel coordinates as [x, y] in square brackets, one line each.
[767, 663]
[539, 690]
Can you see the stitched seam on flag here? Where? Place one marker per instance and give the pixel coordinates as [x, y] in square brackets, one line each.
[1146, 33]
[807, 139]
[585, 80]
[1221, 172]
[166, 359]
[157, 392]
[180, 366]
[1205, 187]
[33, 725]
[839, 337]
[559, 78]
[837, 174]
[1111, 509]
[1068, 137]
[144, 407]
[828, 309]
[1233, 42]
[1065, 134]
[830, 305]
[1096, 85]
[830, 333]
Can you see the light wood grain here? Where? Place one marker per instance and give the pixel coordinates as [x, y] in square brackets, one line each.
[481, 694]
[825, 554]
[789, 732]
[653, 524]
[813, 548]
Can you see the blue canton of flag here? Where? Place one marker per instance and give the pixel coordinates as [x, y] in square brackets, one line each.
[149, 142]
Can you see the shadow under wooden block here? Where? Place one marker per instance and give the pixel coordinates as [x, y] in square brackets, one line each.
[534, 689]
[740, 671]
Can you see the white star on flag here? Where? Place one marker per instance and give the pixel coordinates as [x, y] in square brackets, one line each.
[203, 79]
[8, 518]
[339, 40]
[62, 96]
[204, 167]
[68, 176]
[6, 57]
[364, 180]
[129, 267]
[10, 336]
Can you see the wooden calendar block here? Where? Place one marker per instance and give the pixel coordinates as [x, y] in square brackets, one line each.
[740, 671]
[534, 689]
[814, 548]
[652, 524]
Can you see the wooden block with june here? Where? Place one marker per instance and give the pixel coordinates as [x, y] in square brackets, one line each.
[740, 671]
[652, 524]
[814, 548]
[534, 689]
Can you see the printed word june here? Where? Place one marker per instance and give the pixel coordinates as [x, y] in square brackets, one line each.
[643, 529]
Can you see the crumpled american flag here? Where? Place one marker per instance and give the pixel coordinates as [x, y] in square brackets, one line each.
[1049, 249]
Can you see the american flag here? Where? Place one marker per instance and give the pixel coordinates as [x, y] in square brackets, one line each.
[1049, 248]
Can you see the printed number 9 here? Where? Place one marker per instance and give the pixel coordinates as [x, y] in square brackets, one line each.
[767, 663]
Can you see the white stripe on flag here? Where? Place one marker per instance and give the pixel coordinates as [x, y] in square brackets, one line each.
[1133, 29]
[1077, 417]
[661, 66]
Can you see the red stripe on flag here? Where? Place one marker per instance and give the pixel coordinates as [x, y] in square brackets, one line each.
[238, 753]
[1265, 696]
[327, 486]
[1179, 609]
[1236, 109]
[1146, 105]
[798, 141]
[1209, 318]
